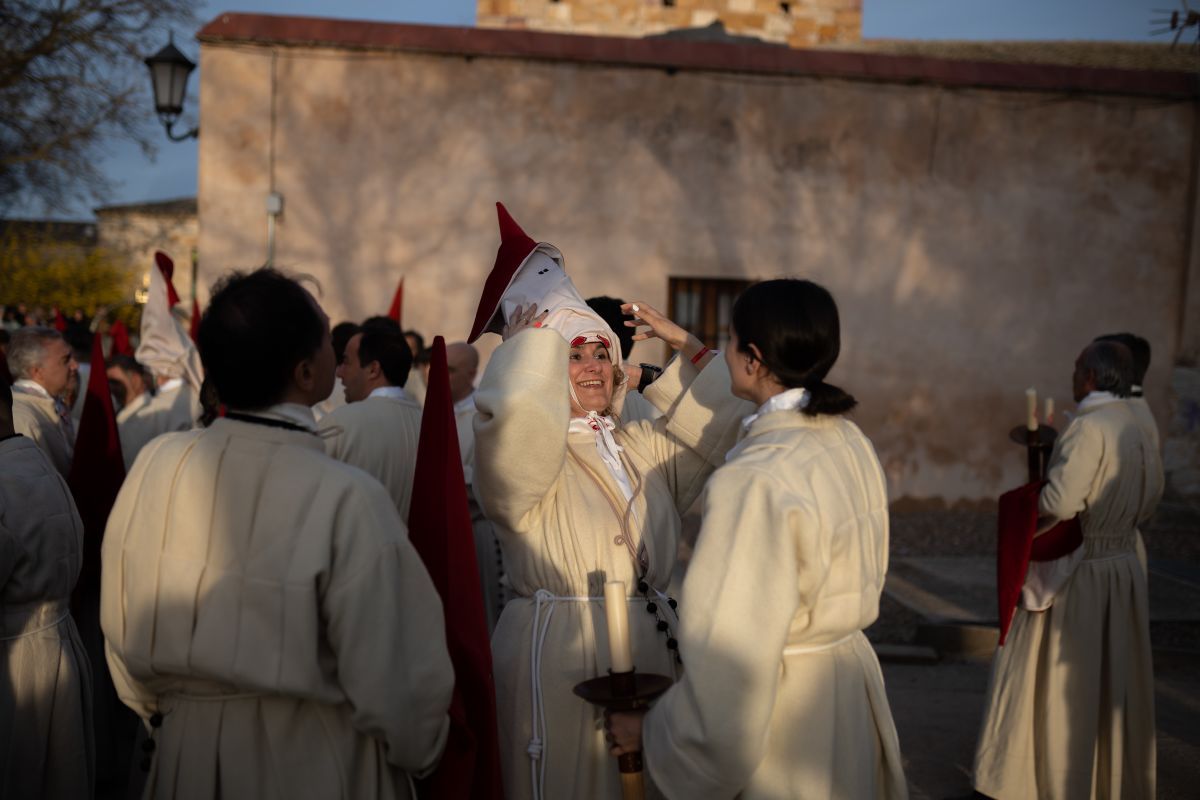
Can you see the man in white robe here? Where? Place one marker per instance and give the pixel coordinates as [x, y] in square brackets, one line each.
[44, 366]
[263, 607]
[379, 427]
[46, 746]
[1070, 704]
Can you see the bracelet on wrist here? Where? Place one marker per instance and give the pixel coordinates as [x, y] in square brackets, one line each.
[696, 358]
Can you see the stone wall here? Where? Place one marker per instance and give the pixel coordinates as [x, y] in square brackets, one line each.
[975, 238]
[133, 232]
[797, 24]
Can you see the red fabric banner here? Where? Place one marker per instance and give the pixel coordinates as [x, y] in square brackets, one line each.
[1016, 546]
[97, 472]
[397, 309]
[167, 267]
[439, 525]
[120, 340]
[194, 327]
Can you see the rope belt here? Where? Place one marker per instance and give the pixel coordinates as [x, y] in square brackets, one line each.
[543, 610]
[45, 627]
[801, 649]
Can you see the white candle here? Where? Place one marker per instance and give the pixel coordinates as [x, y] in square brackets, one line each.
[616, 608]
[1031, 420]
[1049, 415]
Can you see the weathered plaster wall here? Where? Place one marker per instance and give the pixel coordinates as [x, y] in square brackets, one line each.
[975, 239]
[134, 236]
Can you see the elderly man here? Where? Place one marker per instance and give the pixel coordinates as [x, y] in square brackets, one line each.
[1139, 348]
[46, 745]
[44, 367]
[1070, 710]
[379, 427]
[262, 604]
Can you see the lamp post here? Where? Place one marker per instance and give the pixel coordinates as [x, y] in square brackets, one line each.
[169, 71]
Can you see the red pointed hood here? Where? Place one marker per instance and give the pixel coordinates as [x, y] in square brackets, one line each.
[515, 248]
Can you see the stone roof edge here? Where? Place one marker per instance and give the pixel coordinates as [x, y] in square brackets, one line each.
[668, 54]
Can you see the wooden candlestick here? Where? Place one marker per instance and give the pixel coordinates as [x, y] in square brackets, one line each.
[1039, 443]
[626, 691]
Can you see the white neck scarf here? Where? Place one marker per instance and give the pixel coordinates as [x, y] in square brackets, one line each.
[788, 400]
[1094, 399]
[391, 392]
[784, 401]
[610, 452]
[32, 387]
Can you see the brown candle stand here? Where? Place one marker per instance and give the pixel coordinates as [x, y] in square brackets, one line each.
[626, 691]
[1039, 444]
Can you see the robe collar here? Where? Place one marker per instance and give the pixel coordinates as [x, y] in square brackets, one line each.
[390, 392]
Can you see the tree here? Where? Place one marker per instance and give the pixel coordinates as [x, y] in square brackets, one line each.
[51, 274]
[72, 78]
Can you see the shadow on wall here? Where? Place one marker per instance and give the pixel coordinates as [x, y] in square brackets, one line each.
[974, 240]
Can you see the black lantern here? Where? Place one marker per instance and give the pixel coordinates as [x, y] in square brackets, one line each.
[169, 71]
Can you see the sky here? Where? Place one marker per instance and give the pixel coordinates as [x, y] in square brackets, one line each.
[172, 173]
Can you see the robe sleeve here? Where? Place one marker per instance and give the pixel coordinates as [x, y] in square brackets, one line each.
[386, 628]
[9, 551]
[1072, 470]
[758, 560]
[699, 425]
[524, 410]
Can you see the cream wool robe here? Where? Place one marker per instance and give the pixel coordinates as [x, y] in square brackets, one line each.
[266, 600]
[46, 747]
[560, 534]
[35, 417]
[782, 695]
[176, 407]
[1070, 708]
[378, 435]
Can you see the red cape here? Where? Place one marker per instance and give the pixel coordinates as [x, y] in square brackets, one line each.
[1016, 546]
[439, 523]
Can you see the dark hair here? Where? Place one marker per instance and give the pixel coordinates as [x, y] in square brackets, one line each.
[410, 332]
[258, 326]
[341, 335]
[1111, 366]
[609, 309]
[382, 341]
[1139, 348]
[424, 358]
[794, 324]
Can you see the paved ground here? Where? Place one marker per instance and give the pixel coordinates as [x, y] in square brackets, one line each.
[942, 570]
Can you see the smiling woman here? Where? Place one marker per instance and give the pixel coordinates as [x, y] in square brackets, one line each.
[579, 498]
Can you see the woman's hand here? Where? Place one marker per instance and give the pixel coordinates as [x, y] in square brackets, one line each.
[623, 731]
[660, 328]
[523, 318]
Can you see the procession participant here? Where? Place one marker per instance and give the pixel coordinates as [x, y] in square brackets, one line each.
[1139, 349]
[578, 499]
[44, 367]
[639, 377]
[783, 695]
[416, 385]
[340, 336]
[462, 362]
[263, 607]
[1070, 702]
[132, 380]
[168, 352]
[379, 427]
[46, 745]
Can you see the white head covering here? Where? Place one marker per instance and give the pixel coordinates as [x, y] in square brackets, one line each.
[165, 347]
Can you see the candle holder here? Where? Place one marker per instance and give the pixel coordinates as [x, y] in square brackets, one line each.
[1038, 443]
[625, 691]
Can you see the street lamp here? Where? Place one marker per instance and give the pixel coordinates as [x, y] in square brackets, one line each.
[169, 70]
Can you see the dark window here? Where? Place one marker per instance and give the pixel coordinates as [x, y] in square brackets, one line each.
[704, 306]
